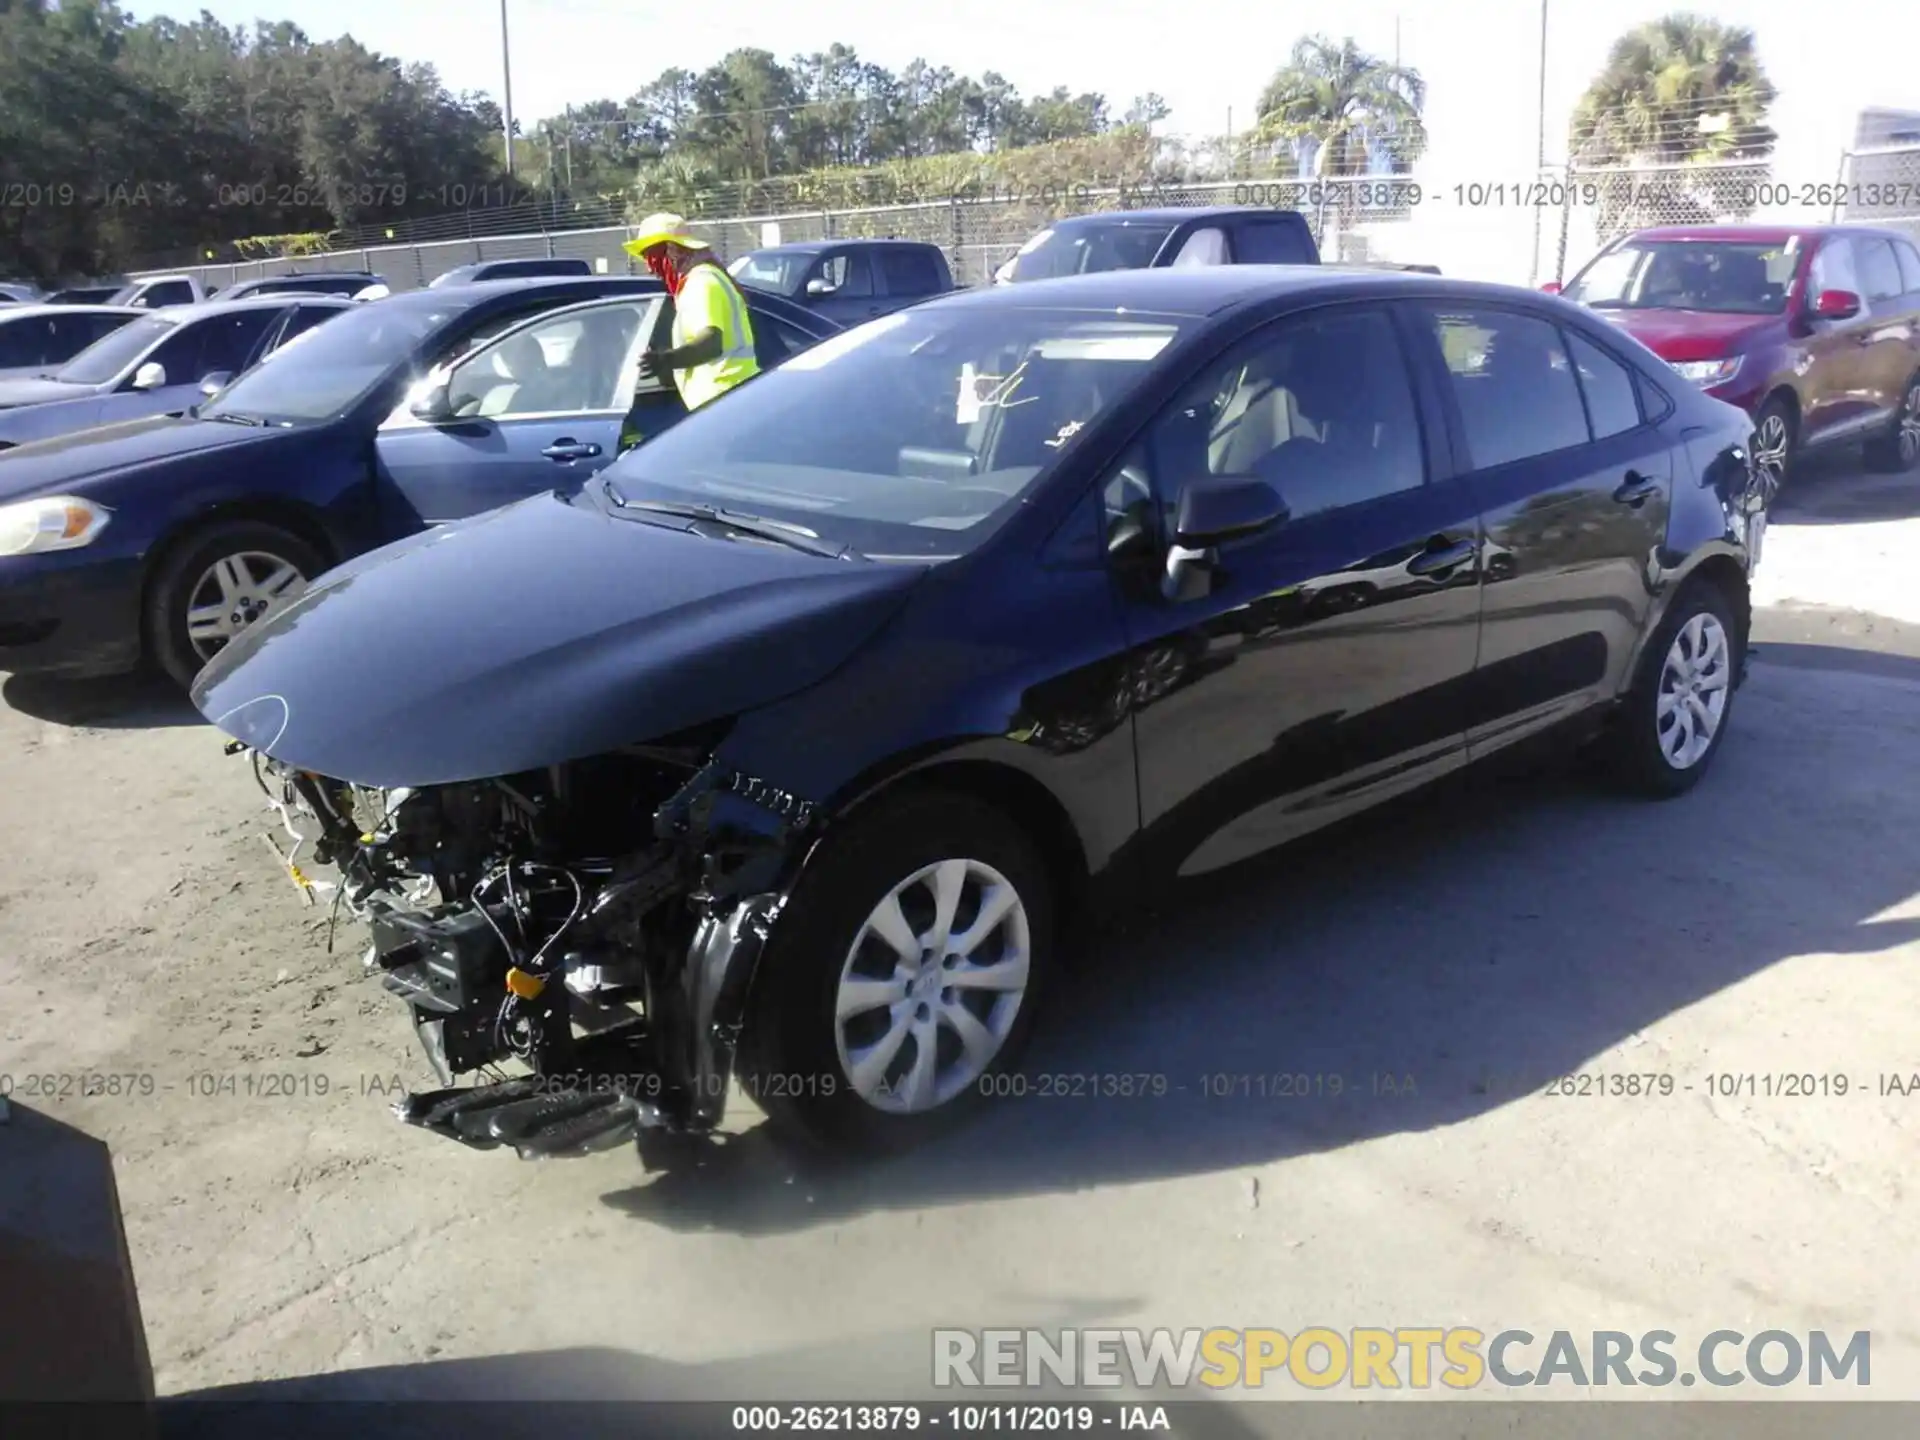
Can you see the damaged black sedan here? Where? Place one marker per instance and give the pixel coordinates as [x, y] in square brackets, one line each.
[786, 755]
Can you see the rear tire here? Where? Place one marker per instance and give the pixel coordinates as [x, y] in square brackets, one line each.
[1897, 450]
[229, 576]
[849, 991]
[1672, 721]
[1775, 446]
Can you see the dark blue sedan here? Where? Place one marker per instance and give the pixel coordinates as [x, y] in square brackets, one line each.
[821, 724]
[165, 537]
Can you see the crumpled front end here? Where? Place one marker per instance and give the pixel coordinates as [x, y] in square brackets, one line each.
[592, 928]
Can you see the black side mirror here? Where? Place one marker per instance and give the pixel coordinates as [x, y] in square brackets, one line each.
[1217, 509]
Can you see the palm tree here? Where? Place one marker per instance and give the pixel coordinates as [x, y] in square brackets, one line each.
[1679, 89]
[1344, 101]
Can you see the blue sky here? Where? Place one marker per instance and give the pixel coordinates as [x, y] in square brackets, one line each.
[1480, 57]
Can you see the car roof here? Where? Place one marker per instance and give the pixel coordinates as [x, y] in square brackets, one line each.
[306, 275]
[1206, 289]
[473, 265]
[33, 309]
[1164, 214]
[217, 306]
[475, 292]
[1760, 234]
[814, 247]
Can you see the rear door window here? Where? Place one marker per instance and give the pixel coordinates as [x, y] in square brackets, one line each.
[909, 271]
[24, 342]
[1513, 383]
[1271, 242]
[73, 333]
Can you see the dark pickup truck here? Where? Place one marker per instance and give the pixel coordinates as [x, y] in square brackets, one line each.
[1151, 239]
[847, 281]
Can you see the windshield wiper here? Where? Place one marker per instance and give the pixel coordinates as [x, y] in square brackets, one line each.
[755, 525]
[228, 417]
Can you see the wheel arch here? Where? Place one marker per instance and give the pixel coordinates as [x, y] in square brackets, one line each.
[289, 515]
[1023, 798]
[1719, 566]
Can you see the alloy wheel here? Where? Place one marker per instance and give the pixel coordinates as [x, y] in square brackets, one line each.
[1909, 434]
[1771, 442]
[1694, 683]
[237, 591]
[931, 986]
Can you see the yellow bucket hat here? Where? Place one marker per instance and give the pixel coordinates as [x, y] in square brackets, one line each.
[662, 228]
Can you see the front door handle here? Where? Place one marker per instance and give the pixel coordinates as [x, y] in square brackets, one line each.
[1636, 489]
[1439, 555]
[570, 449]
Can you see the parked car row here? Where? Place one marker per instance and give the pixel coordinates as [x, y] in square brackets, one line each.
[163, 537]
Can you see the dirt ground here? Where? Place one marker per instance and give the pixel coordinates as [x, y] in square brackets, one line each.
[286, 1228]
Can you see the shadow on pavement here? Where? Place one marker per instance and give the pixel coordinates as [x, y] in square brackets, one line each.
[592, 1392]
[118, 702]
[1420, 969]
[1831, 488]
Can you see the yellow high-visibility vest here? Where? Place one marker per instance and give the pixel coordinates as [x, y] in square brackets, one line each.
[708, 298]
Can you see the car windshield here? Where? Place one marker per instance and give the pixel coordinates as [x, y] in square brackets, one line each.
[331, 367]
[777, 270]
[1083, 249]
[104, 359]
[959, 412]
[1729, 278]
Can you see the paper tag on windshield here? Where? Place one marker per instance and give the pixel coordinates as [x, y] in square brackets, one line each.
[966, 409]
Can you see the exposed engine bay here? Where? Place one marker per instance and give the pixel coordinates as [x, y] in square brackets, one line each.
[593, 925]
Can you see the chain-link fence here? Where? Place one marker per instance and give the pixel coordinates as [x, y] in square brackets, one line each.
[977, 233]
[1540, 230]
[1880, 186]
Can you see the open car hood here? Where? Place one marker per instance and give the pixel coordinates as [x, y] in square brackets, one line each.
[529, 636]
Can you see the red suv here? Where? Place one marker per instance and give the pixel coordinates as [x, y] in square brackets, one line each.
[1813, 330]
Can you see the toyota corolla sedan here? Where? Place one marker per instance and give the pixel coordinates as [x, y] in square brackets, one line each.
[819, 722]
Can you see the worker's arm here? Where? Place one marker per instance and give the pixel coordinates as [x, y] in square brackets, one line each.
[703, 348]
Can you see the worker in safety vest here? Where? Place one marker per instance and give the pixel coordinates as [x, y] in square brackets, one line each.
[712, 335]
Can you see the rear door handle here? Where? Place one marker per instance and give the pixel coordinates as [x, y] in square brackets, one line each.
[1636, 489]
[570, 449]
[1439, 555]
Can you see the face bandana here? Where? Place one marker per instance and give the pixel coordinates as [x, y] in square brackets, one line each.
[665, 264]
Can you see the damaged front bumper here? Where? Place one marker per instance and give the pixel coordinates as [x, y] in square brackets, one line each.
[617, 988]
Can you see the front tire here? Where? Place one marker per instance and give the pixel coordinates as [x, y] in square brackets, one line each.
[1673, 720]
[903, 975]
[1898, 450]
[220, 582]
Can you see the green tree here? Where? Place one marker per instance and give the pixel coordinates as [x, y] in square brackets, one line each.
[1678, 89]
[1341, 102]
